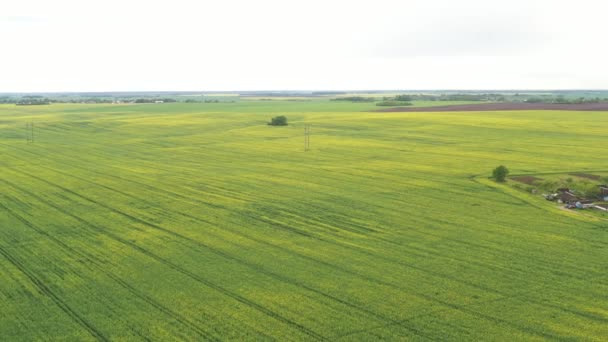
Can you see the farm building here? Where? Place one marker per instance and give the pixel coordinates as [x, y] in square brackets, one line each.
[568, 197]
[604, 192]
[563, 195]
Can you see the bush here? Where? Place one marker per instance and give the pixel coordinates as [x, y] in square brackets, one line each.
[550, 186]
[500, 173]
[589, 190]
[280, 120]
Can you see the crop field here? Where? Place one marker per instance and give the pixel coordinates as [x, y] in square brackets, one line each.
[200, 222]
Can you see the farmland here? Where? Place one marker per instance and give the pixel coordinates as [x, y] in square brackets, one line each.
[200, 222]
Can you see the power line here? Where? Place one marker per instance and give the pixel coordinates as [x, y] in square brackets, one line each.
[29, 132]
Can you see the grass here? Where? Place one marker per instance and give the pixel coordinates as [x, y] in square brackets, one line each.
[199, 221]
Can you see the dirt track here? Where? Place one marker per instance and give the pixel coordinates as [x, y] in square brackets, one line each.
[482, 107]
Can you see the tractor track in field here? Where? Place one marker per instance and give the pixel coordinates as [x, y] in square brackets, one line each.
[267, 221]
[189, 199]
[177, 317]
[220, 253]
[316, 291]
[54, 297]
[283, 226]
[438, 221]
[278, 224]
[430, 298]
[144, 185]
[400, 263]
[433, 312]
[178, 268]
[286, 227]
[166, 191]
[443, 276]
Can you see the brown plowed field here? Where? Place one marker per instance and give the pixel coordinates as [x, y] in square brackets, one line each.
[479, 107]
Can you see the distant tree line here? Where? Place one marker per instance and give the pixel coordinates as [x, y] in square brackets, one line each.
[33, 102]
[328, 93]
[152, 100]
[563, 100]
[205, 101]
[445, 97]
[404, 99]
[86, 100]
[6, 99]
[354, 99]
[393, 103]
[40, 100]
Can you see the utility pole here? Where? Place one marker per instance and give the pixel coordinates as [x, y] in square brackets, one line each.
[306, 137]
[27, 132]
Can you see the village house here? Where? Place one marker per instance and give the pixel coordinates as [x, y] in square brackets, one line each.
[568, 197]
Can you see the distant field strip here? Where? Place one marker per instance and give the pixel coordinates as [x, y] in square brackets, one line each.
[200, 222]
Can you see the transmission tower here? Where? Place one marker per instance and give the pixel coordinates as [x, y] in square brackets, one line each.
[29, 132]
[306, 137]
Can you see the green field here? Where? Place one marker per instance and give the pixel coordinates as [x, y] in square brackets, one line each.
[200, 222]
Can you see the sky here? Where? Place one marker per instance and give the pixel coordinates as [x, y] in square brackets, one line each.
[188, 45]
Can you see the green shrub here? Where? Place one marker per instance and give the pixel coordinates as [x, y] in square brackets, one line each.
[588, 190]
[280, 120]
[549, 185]
[500, 173]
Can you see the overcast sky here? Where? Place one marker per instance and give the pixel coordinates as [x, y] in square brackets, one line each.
[121, 45]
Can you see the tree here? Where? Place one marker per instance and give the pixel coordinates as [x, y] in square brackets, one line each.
[589, 189]
[405, 98]
[280, 120]
[500, 173]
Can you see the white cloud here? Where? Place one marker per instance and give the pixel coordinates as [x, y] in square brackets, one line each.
[222, 45]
